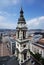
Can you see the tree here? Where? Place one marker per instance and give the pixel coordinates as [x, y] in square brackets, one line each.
[42, 61]
[37, 56]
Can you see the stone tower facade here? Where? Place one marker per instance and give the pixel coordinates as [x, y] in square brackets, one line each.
[22, 42]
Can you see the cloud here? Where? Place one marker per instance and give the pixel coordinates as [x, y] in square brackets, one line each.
[4, 3]
[5, 23]
[4, 13]
[30, 2]
[7, 20]
[15, 1]
[36, 23]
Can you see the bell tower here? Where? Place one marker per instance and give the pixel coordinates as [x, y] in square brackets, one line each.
[21, 27]
[22, 41]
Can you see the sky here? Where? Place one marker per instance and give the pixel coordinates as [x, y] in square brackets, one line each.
[33, 13]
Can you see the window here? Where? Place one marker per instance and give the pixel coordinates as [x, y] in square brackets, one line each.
[18, 45]
[24, 45]
[41, 52]
[34, 50]
[18, 34]
[24, 34]
[13, 51]
[38, 50]
[21, 60]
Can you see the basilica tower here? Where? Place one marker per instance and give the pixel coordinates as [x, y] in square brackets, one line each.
[22, 42]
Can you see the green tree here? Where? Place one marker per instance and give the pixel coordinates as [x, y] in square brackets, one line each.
[37, 56]
[42, 61]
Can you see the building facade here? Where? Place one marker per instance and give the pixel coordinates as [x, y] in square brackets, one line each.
[37, 47]
[7, 46]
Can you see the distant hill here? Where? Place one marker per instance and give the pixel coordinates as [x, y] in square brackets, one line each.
[30, 31]
[3, 30]
[36, 30]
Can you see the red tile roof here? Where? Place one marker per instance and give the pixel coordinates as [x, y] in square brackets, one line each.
[41, 41]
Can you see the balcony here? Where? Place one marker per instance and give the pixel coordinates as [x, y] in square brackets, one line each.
[22, 40]
[23, 48]
[21, 25]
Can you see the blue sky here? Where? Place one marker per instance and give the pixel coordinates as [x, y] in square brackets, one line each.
[33, 13]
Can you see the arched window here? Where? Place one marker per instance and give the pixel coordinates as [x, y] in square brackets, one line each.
[18, 34]
[24, 34]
